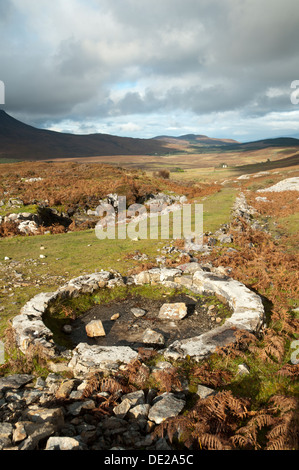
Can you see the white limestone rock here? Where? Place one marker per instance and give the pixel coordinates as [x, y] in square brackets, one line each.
[167, 406]
[138, 312]
[152, 337]
[63, 443]
[204, 392]
[175, 311]
[95, 329]
[86, 358]
[289, 184]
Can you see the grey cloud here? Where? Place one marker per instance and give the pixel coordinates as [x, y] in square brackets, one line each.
[199, 56]
[6, 10]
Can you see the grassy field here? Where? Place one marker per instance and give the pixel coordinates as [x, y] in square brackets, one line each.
[72, 254]
[258, 410]
[194, 160]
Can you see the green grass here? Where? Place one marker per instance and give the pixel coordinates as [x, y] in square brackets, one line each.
[9, 160]
[5, 210]
[261, 383]
[291, 223]
[286, 227]
[72, 254]
[216, 209]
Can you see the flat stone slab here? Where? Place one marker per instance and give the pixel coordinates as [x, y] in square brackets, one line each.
[201, 346]
[95, 328]
[289, 184]
[176, 311]
[138, 312]
[152, 337]
[15, 381]
[87, 358]
[248, 309]
[167, 406]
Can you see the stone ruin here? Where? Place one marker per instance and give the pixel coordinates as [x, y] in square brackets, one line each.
[247, 314]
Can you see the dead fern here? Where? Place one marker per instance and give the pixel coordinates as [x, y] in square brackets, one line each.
[210, 424]
[114, 385]
[135, 375]
[290, 370]
[275, 427]
[168, 379]
[284, 435]
[209, 377]
[246, 437]
[274, 346]
[105, 408]
[244, 342]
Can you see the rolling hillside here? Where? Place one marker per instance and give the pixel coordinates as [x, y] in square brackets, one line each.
[19, 141]
[23, 142]
[197, 142]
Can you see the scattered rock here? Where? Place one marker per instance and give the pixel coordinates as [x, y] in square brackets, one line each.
[76, 408]
[173, 311]
[121, 410]
[152, 337]
[14, 203]
[19, 433]
[135, 398]
[41, 432]
[53, 416]
[243, 369]
[63, 443]
[6, 430]
[138, 312]
[139, 411]
[204, 392]
[261, 199]
[15, 381]
[67, 329]
[289, 184]
[65, 389]
[95, 328]
[167, 406]
[115, 317]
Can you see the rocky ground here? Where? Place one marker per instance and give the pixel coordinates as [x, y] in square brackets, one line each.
[63, 414]
[69, 414]
[97, 413]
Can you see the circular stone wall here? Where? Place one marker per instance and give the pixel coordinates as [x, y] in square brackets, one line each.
[247, 314]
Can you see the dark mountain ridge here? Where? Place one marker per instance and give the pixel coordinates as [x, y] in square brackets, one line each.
[230, 144]
[25, 142]
[21, 141]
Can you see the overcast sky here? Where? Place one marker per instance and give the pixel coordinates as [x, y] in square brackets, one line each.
[143, 68]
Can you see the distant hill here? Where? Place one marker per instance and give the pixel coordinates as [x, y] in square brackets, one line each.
[286, 162]
[266, 143]
[201, 141]
[21, 141]
[24, 142]
[198, 140]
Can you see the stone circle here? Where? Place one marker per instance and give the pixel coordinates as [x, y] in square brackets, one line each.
[247, 307]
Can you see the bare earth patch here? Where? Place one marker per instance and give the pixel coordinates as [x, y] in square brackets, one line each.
[129, 329]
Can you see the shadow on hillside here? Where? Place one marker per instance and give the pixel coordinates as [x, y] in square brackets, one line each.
[268, 165]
